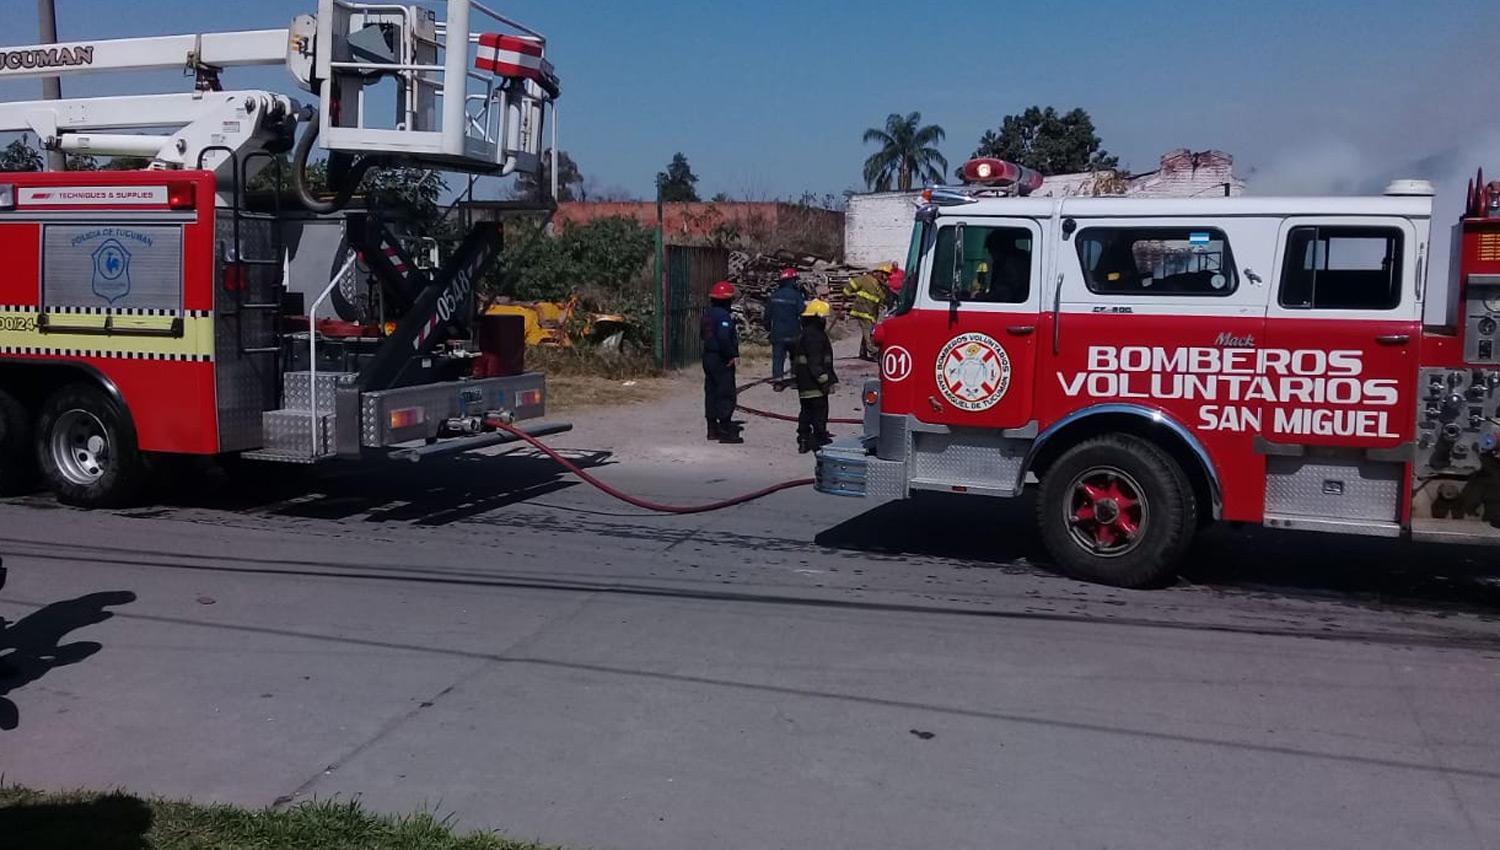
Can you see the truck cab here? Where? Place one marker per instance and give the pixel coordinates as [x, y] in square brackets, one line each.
[1154, 366]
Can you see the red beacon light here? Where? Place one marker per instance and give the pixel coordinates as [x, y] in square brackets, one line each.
[997, 173]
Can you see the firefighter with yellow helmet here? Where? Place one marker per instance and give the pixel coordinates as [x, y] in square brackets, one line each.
[812, 370]
[868, 294]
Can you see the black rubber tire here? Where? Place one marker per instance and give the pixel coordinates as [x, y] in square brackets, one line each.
[18, 468]
[123, 470]
[1166, 532]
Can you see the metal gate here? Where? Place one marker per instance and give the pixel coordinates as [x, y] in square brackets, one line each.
[689, 273]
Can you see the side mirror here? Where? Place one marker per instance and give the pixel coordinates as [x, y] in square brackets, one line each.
[958, 264]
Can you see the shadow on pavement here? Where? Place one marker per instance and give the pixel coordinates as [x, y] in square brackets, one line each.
[115, 822]
[1000, 534]
[434, 492]
[32, 647]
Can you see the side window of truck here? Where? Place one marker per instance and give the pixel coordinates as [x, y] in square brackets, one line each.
[1342, 268]
[997, 265]
[1150, 261]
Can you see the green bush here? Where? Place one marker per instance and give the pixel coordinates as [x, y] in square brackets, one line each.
[603, 255]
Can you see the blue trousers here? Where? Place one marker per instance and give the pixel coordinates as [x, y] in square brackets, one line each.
[780, 353]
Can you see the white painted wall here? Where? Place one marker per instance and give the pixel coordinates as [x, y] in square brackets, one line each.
[877, 228]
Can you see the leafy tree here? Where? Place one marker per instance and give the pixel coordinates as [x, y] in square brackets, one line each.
[537, 187]
[907, 153]
[128, 163]
[19, 155]
[82, 162]
[603, 254]
[677, 182]
[1049, 142]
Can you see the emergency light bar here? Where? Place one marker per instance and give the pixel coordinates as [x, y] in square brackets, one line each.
[988, 171]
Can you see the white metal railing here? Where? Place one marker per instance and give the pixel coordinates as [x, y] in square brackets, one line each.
[446, 109]
[314, 415]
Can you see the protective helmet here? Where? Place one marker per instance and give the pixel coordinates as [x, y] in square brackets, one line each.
[817, 308]
[788, 274]
[886, 267]
[722, 291]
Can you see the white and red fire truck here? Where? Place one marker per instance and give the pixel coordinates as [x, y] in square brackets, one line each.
[1158, 365]
[167, 311]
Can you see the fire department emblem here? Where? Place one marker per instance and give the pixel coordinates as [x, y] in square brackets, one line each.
[973, 372]
[111, 271]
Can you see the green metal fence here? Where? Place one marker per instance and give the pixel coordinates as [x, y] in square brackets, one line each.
[689, 273]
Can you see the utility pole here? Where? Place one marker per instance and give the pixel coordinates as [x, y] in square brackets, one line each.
[46, 14]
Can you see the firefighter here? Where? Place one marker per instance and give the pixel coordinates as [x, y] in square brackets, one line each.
[782, 320]
[721, 354]
[868, 294]
[812, 371]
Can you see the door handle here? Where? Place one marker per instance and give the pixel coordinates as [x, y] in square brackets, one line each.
[1393, 339]
[1021, 330]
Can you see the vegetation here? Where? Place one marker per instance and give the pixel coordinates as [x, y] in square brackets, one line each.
[79, 821]
[21, 155]
[1049, 142]
[570, 182]
[907, 153]
[678, 182]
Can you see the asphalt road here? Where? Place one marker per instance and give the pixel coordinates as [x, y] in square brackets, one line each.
[489, 639]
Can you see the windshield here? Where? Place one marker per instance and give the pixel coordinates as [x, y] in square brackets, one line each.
[913, 265]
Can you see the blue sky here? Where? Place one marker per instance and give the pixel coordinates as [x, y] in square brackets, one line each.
[770, 98]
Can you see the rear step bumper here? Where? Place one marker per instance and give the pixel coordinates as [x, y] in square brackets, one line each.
[459, 445]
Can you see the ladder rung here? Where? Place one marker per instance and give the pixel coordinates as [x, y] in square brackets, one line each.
[269, 350]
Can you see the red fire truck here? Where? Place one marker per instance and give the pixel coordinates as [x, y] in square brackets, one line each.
[1154, 366]
[170, 311]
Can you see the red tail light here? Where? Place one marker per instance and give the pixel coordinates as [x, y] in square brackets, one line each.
[182, 196]
[234, 277]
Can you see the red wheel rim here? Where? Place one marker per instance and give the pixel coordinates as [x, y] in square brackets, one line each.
[1106, 512]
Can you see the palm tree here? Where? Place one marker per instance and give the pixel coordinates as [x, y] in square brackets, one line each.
[906, 153]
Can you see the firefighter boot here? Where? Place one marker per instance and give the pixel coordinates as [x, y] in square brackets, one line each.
[713, 430]
[729, 433]
[804, 444]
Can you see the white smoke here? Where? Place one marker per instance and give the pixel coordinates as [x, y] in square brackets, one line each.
[1333, 166]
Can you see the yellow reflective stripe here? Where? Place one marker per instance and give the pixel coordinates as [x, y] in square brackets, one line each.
[869, 296]
[84, 335]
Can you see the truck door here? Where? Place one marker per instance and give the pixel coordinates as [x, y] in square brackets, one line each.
[1165, 314]
[975, 328]
[1344, 329]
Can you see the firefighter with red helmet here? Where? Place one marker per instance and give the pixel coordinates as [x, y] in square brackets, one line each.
[721, 354]
[784, 319]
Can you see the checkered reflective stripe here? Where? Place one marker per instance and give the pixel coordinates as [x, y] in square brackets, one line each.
[35, 351]
[108, 311]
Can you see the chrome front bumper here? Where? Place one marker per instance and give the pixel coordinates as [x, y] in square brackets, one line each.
[847, 468]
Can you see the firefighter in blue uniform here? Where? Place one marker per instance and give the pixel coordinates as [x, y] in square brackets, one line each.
[783, 321]
[721, 354]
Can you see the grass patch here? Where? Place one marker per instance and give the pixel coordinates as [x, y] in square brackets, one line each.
[33, 820]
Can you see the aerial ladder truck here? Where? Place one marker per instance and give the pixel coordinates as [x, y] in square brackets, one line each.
[163, 312]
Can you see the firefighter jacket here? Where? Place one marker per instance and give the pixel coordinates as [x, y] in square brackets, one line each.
[812, 362]
[720, 337]
[868, 296]
[784, 311]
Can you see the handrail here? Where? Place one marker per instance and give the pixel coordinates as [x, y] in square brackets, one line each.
[475, 4]
[312, 351]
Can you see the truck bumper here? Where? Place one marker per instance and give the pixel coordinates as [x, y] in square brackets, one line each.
[847, 468]
[388, 418]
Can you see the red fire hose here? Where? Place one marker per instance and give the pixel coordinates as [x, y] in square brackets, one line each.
[782, 417]
[638, 502]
